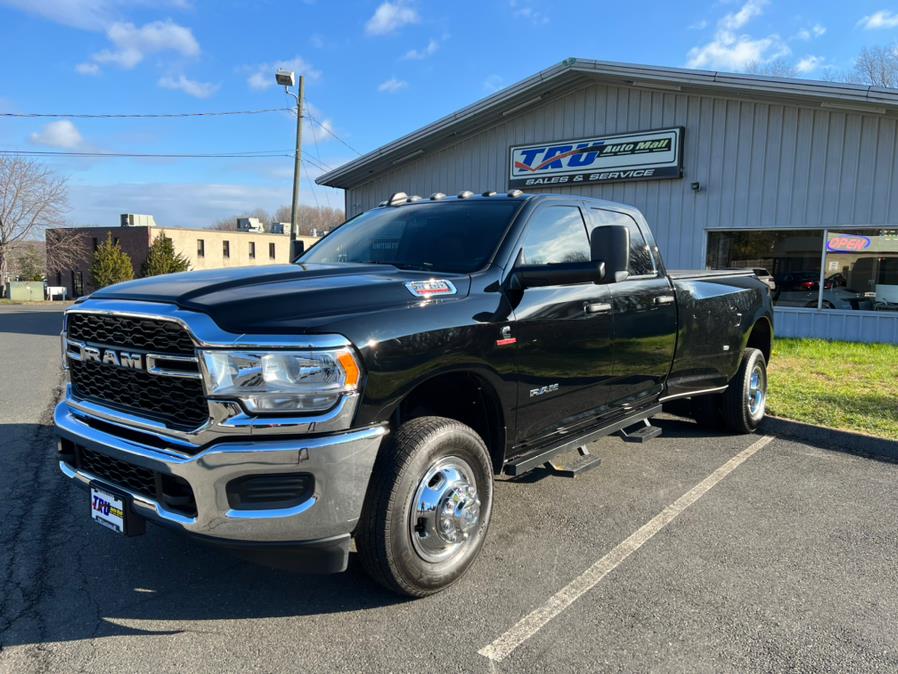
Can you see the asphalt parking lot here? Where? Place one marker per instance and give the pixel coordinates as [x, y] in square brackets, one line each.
[693, 552]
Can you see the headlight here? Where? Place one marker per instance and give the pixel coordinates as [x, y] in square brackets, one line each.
[282, 381]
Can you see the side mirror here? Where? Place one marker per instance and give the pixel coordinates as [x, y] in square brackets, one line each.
[611, 244]
[565, 273]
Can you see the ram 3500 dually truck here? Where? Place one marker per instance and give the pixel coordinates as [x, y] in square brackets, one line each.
[374, 388]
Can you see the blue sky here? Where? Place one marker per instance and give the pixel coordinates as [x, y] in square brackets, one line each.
[374, 71]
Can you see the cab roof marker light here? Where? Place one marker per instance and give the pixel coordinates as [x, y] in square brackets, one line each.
[488, 194]
[436, 196]
[465, 194]
[397, 198]
[514, 193]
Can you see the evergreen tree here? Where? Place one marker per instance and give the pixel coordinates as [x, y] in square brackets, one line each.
[110, 264]
[31, 264]
[162, 259]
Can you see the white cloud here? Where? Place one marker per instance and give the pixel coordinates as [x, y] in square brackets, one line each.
[493, 83]
[318, 131]
[390, 17]
[748, 11]
[188, 86]
[87, 14]
[884, 18]
[87, 69]
[729, 50]
[420, 54]
[809, 64]
[701, 24]
[391, 86]
[809, 33]
[525, 10]
[317, 41]
[133, 43]
[261, 76]
[62, 134]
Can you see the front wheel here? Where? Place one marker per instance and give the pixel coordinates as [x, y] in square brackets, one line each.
[428, 507]
[745, 400]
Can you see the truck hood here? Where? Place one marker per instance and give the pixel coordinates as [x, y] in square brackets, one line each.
[282, 298]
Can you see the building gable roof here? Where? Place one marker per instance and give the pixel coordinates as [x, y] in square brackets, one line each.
[572, 73]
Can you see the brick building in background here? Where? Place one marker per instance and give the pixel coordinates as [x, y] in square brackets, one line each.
[204, 248]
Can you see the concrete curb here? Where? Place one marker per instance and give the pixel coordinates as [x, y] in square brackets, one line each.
[830, 438]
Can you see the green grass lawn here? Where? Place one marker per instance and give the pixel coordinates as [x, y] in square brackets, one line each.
[836, 384]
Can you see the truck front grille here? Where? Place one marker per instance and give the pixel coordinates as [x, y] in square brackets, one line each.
[177, 401]
[146, 334]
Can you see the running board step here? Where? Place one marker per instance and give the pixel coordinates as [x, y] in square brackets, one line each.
[583, 462]
[521, 465]
[641, 432]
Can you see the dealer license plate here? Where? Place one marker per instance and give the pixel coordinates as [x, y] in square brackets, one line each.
[107, 509]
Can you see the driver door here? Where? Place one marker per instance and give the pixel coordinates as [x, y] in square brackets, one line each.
[564, 334]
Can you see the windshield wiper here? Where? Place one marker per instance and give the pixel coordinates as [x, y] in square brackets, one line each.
[424, 266]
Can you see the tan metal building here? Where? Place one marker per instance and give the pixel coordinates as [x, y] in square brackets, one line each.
[204, 248]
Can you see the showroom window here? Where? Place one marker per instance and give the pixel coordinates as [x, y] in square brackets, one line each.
[859, 269]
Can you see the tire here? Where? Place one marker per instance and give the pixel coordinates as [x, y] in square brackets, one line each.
[431, 460]
[745, 400]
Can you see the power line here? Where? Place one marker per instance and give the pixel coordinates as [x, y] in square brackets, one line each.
[143, 115]
[327, 129]
[222, 155]
[321, 166]
[314, 192]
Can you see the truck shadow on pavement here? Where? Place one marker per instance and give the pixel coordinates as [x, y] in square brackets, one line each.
[47, 323]
[63, 578]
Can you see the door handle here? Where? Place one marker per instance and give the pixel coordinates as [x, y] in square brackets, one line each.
[596, 307]
[664, 299]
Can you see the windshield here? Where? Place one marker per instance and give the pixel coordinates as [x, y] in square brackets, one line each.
[456, 237]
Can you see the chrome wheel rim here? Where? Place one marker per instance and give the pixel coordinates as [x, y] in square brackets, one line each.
[756, 398]
[446, 511]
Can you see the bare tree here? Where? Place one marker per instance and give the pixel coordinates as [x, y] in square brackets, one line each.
[878, 66]
[225, 224]
[777, 68]
[32, 197]
[318, 218]
[66, 249]
[230, 224]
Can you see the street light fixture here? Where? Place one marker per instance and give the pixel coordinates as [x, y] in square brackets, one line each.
[287, 79]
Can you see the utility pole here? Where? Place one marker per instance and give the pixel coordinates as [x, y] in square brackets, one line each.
[297, 163]
[286, 79]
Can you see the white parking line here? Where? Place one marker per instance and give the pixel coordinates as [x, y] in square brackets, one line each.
[525, 628]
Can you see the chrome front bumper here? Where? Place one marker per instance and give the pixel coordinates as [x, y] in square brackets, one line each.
[341, 464]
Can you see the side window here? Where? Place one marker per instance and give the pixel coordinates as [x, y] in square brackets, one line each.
[555, 234]
[641, 261]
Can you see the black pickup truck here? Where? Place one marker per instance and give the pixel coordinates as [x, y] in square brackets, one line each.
[374, 388]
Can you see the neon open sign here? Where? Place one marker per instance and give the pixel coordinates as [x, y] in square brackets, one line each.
[848, 243]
